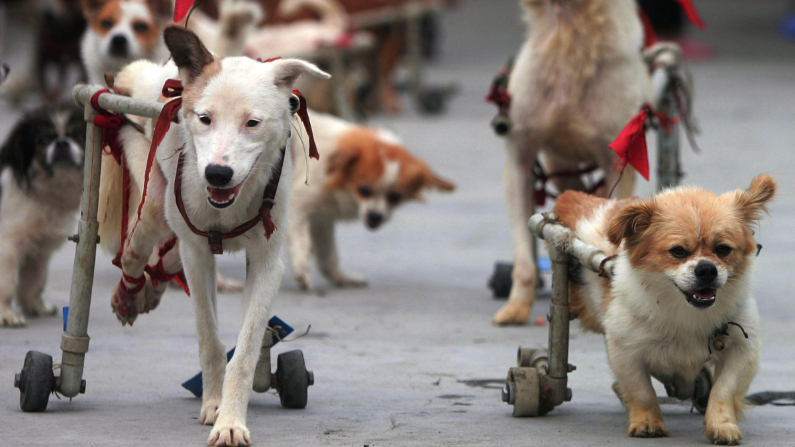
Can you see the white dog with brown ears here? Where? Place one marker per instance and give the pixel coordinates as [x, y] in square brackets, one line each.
[231, 144]
[680, 295]
[577, 81]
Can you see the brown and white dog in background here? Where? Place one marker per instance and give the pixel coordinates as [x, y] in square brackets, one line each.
[41, 163]
[577, 81]
[364, 174]
[681, 280]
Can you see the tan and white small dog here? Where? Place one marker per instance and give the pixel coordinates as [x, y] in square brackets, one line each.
[682, 277]
[364, 174]
[234, 126]
[123, 31]
[577, 81]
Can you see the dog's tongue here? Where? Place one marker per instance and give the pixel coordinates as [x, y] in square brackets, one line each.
[704, 294]
[221, 195]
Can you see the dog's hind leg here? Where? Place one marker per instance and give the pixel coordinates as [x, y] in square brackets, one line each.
[518, 182]
[199, 265]
[299, 244]
[327, 259]
[32, 279]
[264, 272]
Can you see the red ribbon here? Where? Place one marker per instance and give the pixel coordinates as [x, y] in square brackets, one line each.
[630, 144]
[181, 8]
[649, 36]
[303, 113]
[692, 13]
[110, 123]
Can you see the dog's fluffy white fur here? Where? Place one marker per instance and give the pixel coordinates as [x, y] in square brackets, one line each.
[577, 81]
[237, 114]
[683, 272]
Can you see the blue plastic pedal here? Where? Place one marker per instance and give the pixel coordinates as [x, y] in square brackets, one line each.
[65, 316]
[194, 384]
[544, 265]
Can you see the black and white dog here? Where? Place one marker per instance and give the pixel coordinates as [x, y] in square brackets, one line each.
[41, 179]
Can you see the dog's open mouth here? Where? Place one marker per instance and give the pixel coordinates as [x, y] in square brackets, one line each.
[222, 197]
[701, 298]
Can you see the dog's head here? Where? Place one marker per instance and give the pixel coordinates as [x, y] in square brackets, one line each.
[699, 241]
[127, 30]
[45, 144]
[236, 111]
[380, 173]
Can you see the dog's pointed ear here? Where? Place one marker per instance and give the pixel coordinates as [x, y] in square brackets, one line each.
[188, 52]
[752, 202]
[92, 7]
[287, 71]
[631, 221]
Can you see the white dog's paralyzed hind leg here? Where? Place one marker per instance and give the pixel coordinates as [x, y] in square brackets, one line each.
[518, 180]
[199, 265]
[264, 273]
[733, 374]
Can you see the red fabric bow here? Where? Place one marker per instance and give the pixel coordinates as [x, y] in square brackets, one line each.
[110, 123]
[181, 8]
[630, 144]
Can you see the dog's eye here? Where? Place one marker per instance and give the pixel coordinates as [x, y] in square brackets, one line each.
[106, 24]
[394, 198]
[140, 27]
[365, 192]
[678, 252]
[252, 123]
[723, 250]
[205, 119]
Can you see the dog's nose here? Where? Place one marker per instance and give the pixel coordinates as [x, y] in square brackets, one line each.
[218, 175]
[706, 272]
[374, 220]
[61, 151]
[118, 46]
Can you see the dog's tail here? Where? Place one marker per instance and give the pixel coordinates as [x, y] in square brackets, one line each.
[332, 13]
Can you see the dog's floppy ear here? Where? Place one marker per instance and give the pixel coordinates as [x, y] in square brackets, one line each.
[188, 51]
[18, 150]
[287, 71]
[342, 160]
[752, 202]
[431, 180]
[631, 221]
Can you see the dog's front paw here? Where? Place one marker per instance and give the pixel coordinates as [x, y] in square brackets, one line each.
[725, 433]
[152, 296]
[304, 280]
[9, 319]
[124, 304]
[229, 433]
[209, 412]
[512, 313]
[647, 429]
[349, 280]
[39, 308]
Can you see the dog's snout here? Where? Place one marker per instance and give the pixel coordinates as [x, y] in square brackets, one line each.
[706, 272]
[61, 152]
[118, 46]
[374, 219]
[218, 175]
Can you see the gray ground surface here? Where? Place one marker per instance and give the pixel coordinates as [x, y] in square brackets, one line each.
[388, 359]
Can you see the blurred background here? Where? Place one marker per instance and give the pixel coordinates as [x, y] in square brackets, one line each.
[388, 355]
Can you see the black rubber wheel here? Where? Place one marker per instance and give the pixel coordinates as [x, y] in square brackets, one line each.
[701, 393]
[433, 100]
[500, 282]
[35, 382]
[292, 379]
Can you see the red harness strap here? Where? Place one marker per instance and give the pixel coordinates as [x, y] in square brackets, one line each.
[158, 274]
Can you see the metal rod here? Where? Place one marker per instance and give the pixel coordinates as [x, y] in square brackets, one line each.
[82, 94]
[414, 46]
[74, 341]
[669, 171]
[565, 240]
[559, 326]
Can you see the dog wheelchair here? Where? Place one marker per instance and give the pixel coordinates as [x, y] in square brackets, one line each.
[539, 381]
[37, 379]
[672, 96]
